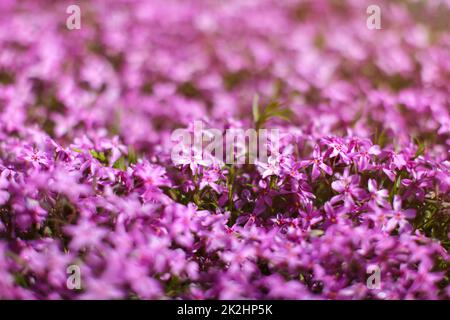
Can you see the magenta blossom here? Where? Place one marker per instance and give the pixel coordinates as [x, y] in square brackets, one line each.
[317, 163]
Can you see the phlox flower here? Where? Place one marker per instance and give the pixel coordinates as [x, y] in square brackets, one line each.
[85, 234]
[317, 163]
[309, 217]
[117, 149]
[193, 160]
[377, 196]
[398, 216]
[211, 177]
[271, 168]
[348, 188]
[337, 148]
[4, 194]
[35, 157]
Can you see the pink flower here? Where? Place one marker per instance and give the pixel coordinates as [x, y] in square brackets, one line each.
[348, 188]
[377, 196]
[271, 168]
[337, 148]
[85, 234]
[309, 217]
[4, 194]
[317, 163]
[35, 157]
[193, 161]
[398, 216]
[117, 149]
[210, 178]
[151, 175]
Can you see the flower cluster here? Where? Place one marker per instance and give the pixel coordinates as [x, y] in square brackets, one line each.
[361, 177]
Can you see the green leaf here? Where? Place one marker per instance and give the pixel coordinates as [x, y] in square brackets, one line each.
[272, 110]
[381, 139]
[132, 156]
[420, 147]
[316, 233]
[255, 108]
[20, 280]
[285, 114]
[100, 156]
[197, 199]
[120, 164]
[173, 193]
[396, 186]
[272, 106]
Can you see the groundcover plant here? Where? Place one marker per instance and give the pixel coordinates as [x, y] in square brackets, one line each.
[353, 203]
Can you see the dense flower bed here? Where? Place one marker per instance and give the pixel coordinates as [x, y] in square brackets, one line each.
[86, 176]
